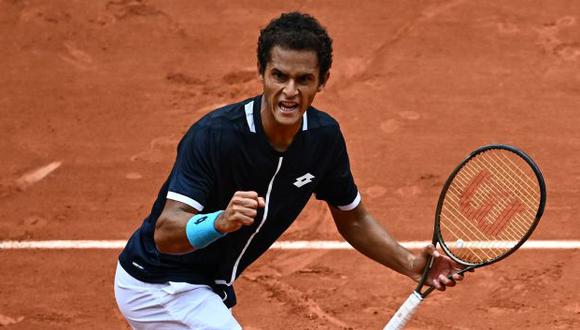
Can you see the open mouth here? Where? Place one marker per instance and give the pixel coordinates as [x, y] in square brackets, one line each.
[288, 107]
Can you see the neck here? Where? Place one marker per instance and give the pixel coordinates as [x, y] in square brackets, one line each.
[279, 136]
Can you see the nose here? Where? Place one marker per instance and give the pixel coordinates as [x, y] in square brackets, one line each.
[290, 90]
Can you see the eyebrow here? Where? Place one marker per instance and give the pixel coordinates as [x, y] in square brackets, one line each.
[300, 75]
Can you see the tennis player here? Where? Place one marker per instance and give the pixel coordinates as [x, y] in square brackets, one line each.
[242, 175]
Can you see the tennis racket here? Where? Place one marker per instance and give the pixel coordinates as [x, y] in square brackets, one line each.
[489, 206]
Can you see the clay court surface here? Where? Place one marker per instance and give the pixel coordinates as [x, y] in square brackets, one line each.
[94, 96]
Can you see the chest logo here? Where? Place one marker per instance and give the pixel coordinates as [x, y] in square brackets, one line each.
[305, 179]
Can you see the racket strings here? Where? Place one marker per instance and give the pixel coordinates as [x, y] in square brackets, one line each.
[502, 204]
[495, 211]
[524, 177]
[491, 186]
[496, 226]
[492, 211]
[519, 222]
[514, 185]
[517, 180]
[473, 237]
[469, 234]
[477, 239]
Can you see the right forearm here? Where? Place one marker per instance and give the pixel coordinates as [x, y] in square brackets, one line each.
[179, 229]
[170, 236]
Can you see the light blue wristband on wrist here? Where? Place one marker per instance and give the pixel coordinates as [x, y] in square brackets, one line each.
[200, 229]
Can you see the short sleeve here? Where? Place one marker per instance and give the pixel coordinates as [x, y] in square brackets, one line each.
[337, 186]
[193, 174]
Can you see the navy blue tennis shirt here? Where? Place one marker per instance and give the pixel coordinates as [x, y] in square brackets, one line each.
[227, 151]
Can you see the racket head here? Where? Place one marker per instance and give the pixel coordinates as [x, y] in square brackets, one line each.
[489, 206]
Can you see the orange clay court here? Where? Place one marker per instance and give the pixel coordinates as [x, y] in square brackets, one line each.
[94, 96]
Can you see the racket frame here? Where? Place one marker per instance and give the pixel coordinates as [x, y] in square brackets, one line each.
[438, 240]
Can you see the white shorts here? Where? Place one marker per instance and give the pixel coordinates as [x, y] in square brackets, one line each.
[172, 305]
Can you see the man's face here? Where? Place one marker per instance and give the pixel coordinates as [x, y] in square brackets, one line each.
[290, 81]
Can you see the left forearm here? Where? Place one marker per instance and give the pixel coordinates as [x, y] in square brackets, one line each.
[367, 236]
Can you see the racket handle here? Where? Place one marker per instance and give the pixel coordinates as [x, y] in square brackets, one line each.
[404, 313]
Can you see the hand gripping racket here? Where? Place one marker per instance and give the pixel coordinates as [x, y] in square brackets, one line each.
[489, 206]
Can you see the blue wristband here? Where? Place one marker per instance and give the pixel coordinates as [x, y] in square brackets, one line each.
[200, 229]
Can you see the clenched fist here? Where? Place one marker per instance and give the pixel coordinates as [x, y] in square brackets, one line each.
[241, 211]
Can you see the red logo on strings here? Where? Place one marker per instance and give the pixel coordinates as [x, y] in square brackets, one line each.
[480, 214]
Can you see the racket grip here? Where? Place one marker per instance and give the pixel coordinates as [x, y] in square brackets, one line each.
[404, 313]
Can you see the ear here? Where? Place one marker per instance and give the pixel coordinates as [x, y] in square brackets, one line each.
[321, 86]
[260, 75]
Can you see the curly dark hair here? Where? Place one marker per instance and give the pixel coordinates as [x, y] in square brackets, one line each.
[296, 31]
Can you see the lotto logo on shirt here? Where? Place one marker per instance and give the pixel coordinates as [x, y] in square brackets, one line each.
[305, 179]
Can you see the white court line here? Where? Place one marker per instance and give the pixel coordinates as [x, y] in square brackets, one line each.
[282, 245]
